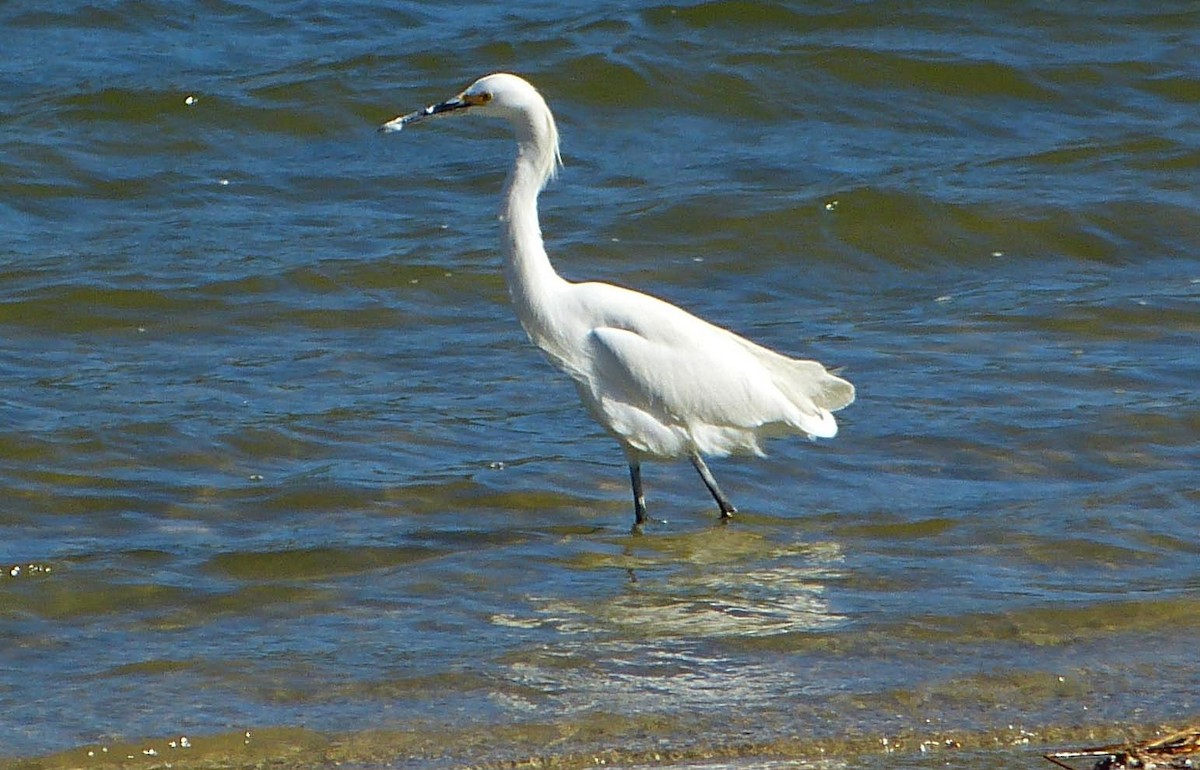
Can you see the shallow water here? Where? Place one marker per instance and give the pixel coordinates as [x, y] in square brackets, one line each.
[275, 453]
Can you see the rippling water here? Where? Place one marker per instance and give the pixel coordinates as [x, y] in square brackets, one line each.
[275, 453]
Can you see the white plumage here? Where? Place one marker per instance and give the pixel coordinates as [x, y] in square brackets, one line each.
[663, 382]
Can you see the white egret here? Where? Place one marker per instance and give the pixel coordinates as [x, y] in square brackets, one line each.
[663, 382]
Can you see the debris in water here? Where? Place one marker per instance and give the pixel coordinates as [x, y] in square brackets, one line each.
[1178, 750]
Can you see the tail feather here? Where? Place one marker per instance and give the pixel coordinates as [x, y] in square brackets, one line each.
[805, 381]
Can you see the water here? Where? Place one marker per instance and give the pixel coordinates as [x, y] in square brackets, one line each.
[275, 455]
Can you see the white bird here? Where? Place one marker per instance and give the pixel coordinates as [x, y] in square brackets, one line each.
[663, 382]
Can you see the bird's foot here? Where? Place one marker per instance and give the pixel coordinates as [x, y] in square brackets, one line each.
[639, 526]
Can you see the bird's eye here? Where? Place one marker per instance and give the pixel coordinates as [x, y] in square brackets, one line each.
[485, 97]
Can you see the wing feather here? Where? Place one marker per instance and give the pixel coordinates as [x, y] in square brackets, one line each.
[665, 382]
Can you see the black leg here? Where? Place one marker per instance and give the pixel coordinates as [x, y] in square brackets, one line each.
[639, 499]
[727, 509]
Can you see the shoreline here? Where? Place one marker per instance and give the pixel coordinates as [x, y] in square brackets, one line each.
[578, 745]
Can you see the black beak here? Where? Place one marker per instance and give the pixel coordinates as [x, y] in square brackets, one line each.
[433, 110]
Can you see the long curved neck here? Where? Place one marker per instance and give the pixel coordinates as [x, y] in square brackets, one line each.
[527, 269]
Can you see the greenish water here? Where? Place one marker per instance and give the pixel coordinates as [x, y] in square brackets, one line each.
[275, 455]
[608, 741]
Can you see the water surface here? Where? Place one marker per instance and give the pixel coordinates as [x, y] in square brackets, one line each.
[275, 454]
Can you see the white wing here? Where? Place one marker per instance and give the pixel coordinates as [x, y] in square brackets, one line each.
[665, 381]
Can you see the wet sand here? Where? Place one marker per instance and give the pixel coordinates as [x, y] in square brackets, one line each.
[615, 742]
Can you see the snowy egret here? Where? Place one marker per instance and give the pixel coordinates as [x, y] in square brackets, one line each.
[663, 382]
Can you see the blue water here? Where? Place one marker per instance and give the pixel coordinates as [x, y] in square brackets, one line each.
[274, 451]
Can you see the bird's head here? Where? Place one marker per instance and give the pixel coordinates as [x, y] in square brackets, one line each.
[500, 95]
